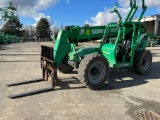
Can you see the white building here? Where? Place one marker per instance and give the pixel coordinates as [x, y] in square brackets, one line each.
[152, 24]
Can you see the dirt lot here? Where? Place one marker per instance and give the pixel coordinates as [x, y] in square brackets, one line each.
[126, 96]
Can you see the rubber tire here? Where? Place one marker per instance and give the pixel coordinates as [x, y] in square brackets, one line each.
[138, 61]
[65, 68]
[152, 44]
[84, 69]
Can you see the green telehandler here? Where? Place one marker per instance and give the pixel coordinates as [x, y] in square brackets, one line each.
[123, 45]
[152, 40]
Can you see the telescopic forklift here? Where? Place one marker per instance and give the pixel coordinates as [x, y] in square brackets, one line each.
[123, 45]
[152, 40]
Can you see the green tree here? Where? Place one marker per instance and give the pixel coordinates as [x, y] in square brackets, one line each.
[14, 28]
[25, 34]
[86, 25]
[43, 28]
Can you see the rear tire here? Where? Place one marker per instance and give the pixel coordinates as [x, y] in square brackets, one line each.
[142, 61]
[93, 71]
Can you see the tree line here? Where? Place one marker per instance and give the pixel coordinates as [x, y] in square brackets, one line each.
[41, 31]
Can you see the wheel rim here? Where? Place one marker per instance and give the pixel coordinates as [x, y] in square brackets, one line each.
[146, 62]
[97, 72]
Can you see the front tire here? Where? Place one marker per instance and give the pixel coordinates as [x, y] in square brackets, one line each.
[93, 71]
[142, 61]
[64, 67]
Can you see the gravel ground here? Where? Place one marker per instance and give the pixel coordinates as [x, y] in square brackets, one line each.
[126, 95]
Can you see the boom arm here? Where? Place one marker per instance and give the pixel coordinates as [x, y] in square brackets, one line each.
[70, 37]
